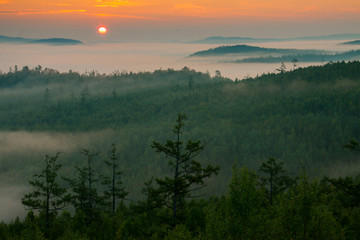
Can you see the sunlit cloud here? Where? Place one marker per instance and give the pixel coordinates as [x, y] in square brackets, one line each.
[282, 9]
[21, 12]
[121, 16]
[106, 5]
[226, 9]
[68, 11]
[63, 4]
[113, 3]
[8, 12]
[43, 12]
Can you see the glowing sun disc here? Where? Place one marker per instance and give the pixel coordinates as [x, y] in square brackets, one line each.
[102, 30]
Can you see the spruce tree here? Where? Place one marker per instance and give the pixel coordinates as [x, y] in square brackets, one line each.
[113, 184]
[85, 197]
[187, 174]
[48, 195]
[275, 181]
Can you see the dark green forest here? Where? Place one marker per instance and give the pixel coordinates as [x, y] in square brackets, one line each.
[272, 157]
[253, 54]
[354, 42]
[246, 49]
[345, 56]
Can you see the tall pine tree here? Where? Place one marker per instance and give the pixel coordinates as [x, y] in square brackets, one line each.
[48, 195]
[187, 174]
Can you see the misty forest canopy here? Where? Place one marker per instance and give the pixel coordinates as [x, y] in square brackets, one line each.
[301, 117]
[296, 120]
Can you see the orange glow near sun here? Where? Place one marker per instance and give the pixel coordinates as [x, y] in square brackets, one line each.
[102, 29]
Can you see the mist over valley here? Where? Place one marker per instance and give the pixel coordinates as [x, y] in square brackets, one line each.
[301, 116]
[142, 56]
[246, 106]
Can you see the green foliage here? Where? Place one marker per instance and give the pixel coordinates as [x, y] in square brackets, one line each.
[3, 231]
[305, 57]
[282, 68]
[245, 49]
[245, 203]
[304, 214]
[188, 174]
[85, 197]
[301, 116]
[48, 196]
[353, 145]
[69, 235]
[31, 228]
[216, 220]
[274, 182]
[353, 229]
[15, 228]
[308, 210]
[180, 232]
[115, 191]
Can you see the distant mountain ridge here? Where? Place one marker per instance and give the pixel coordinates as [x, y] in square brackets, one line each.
[345, 56]
[238, 49]
[355, 42]
[47, 41]
[273, 55]
[233, 40]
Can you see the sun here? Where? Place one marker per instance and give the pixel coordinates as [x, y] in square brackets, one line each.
[102, 29]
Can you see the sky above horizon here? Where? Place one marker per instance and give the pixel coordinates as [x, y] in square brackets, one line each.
[169, 20]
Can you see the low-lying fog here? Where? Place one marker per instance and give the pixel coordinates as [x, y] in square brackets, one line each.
[107, 57]
[22, 155]
[18, 147]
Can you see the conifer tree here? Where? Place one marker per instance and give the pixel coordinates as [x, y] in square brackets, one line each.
[188, 174]
[115, 190]
[85, 197]
[48, 195]
[349, 185]
[276, 181]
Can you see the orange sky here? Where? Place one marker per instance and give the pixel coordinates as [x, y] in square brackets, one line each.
[164, 9]
[177, 19]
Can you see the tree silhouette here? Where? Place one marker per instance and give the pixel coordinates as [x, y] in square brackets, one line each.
[115, 189]
[282, 68]
[276, 181]
[188, 174]
[47, 196]
[85, 197]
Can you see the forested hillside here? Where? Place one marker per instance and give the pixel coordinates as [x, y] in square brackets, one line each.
[301, 117]
[248, 50]
[253, 54]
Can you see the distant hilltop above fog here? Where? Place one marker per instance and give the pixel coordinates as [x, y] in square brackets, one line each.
[232, 40]
[355, 42]
[253, 54]
[47, 41]
[246, 49]
[57, 41]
